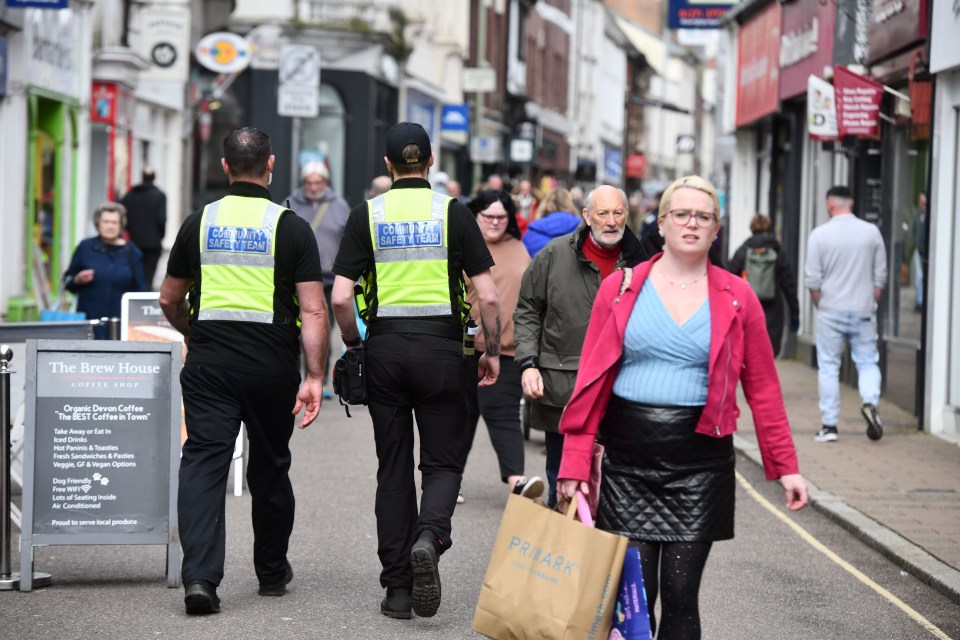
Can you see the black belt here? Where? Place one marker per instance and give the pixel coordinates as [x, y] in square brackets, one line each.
[447, 329]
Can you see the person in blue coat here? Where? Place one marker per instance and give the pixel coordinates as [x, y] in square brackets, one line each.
[105, 267]
[558, 217]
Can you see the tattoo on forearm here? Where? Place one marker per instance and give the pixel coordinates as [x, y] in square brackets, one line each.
[491, 341]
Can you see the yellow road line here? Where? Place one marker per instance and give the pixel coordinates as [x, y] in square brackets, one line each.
[846, 566]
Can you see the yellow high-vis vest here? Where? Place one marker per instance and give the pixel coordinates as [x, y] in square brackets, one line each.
[237, 247]
[409, 229]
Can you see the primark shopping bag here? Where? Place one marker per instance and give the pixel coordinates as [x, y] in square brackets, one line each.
[550, 577]
[631, 618]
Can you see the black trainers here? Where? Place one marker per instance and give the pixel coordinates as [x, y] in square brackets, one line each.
[278, 589]
[529, 487]
[874, 425]
[200, 597]
[426, 577]
[826, 434]
[397, 604]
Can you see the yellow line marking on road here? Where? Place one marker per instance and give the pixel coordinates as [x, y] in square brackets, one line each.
[846, 566]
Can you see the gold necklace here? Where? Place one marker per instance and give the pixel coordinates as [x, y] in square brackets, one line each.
[682, 286]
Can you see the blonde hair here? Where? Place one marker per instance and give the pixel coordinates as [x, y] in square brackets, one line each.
[689, 182]
[556, 200]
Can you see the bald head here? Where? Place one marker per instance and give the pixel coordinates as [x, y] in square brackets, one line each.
[380, 184]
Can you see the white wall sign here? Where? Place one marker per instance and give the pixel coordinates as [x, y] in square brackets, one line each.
[52, 38]
[300, 64]
[165, 42]
[944, 27]
[477, 79]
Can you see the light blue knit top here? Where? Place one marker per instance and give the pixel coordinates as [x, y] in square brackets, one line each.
[664, 363]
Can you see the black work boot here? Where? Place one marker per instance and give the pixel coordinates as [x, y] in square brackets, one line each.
[397, 604]
[279, 588]
[200, 597]
[426, 576]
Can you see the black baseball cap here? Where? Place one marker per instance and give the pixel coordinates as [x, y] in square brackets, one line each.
[405, 133]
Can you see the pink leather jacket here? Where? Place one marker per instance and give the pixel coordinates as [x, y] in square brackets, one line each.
[739, 351]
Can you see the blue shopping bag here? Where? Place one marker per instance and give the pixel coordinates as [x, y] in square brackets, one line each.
[631, 619]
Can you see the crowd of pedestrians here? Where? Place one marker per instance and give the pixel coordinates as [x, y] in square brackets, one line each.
[468, 306]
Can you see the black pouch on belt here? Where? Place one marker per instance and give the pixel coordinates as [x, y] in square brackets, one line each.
[350, 378]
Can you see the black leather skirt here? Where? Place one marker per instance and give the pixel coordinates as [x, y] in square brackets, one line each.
[662, 482]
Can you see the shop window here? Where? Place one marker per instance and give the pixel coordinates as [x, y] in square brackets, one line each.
[323, 138]
[44, 227]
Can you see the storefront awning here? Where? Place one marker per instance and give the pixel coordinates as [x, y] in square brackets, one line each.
[648, 44]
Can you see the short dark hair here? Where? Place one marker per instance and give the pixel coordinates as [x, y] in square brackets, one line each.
[149, 175]
[246, 151]
[760, 223]
[410, 166]
[840, 191]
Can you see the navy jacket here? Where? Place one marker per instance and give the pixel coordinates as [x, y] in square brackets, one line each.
[118, 269]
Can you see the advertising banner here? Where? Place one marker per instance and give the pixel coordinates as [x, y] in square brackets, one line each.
[806, 44]
[821, 110]
[858, 104]
[895, 24]
[697, 14]
[758, 66]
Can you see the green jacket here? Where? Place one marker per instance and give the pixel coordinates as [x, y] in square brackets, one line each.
[556, 298]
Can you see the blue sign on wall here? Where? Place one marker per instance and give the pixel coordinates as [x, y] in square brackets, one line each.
[612, 163]
[697, 14]
[3, 66]
[455, 117]
[39, 4]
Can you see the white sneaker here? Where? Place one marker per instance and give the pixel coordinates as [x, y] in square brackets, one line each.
[460, 499]
[531, 487]
[826, 434]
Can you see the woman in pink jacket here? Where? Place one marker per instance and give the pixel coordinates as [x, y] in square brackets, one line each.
[665, 348]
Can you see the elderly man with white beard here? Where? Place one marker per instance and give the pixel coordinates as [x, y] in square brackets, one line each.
[556, 297]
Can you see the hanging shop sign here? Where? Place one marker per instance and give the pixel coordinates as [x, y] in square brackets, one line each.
[806, 44]
[612, 163]
[38, 4]
[165, 41]
[858, 104]
[223, 52]
[697, 14]
[111, 104]
[821, 110]
[636, 165]
[455, 117]
[758, 66]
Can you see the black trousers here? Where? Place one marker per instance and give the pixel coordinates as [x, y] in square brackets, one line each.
[216, 400]
[415, 375]
[500, 407]
[150, 259]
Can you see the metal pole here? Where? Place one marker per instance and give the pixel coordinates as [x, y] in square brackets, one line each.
[9, 580]
[6, 355]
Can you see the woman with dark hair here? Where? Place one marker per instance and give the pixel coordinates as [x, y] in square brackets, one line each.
[761, 262]
[105, 267]
[499, 404]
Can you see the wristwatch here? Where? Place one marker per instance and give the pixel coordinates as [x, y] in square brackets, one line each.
[530, 362]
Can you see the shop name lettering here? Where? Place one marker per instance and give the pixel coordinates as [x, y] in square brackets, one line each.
[119, 368]
[542, 559]
[51, 51]
[798, 45]
[239, 239]
[409, 234]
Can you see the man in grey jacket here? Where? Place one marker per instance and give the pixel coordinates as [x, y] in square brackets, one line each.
[327, 214]
[556, 297]
[846, 271]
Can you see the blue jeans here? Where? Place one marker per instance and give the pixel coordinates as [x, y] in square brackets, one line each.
[833, 327]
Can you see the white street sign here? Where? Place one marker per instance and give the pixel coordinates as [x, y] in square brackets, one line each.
[300, 64]
[477, 79]
[297, 101]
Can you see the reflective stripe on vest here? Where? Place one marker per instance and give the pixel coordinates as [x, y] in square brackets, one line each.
[410, 251]
[237, 247]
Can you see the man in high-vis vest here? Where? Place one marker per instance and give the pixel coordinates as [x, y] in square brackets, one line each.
[410, 247]
[252, 272]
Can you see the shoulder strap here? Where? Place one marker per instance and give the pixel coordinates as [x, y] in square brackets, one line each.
[627, 277]
[321, 214]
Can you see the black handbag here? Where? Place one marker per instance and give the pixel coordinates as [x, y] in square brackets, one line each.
[350, 378]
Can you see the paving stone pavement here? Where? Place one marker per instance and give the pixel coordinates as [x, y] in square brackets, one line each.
[900, 494]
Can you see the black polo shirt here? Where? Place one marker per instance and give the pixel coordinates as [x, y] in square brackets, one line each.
[466, 250]
[253, 347]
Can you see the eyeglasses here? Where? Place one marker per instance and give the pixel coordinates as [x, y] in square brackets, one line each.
[682, 216]
[493, 219]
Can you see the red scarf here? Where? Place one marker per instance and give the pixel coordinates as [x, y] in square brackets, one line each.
[605, 259]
